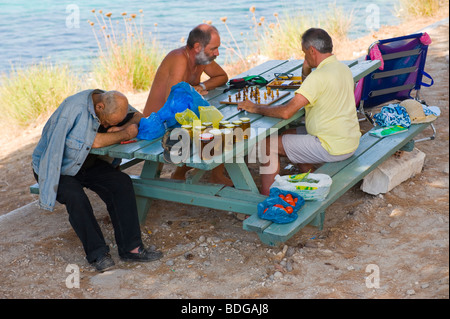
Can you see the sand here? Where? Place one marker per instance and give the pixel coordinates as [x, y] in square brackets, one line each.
[394, 245]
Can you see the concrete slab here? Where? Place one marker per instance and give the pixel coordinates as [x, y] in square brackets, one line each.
[393, 172]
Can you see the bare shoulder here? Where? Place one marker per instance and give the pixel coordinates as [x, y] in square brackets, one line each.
[177, 56]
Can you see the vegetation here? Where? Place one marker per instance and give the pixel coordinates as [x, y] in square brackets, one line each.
[281, 39]
[26, 94]
[128, 59]
[126, 63]
[421, 8]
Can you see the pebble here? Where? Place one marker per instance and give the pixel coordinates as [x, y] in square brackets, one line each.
[188, 255]
[290, 252]
[410, 292]
[394, 224]
[277, 275]
[170, 262]
[289, 267]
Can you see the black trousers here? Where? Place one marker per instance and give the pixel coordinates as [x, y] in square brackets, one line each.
[115, 188]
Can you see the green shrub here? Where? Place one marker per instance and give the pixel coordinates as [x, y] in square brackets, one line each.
[28, 93]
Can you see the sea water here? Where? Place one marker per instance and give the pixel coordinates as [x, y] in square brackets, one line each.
[58, 31]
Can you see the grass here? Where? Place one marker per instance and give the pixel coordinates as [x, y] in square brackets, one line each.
[126, 63]
[29, 93]
[421, 8]
[281, 39]
[127, 60]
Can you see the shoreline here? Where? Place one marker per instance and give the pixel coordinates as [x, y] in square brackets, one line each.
[353, 50]
[86, 71]
[404, 232]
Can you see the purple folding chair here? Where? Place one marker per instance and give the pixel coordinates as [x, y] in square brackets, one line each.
[401, 71]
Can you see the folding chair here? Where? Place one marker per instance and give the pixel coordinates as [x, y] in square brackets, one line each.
[402, 70]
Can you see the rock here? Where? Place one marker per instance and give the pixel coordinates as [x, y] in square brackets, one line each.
[188, 255]
[410, 292]
[393, 172]
[446, 168]
[278, 275]
[394, 224]
[282, 253]
[425, 285]
[170, 262]
[290, 252]
[289, 266]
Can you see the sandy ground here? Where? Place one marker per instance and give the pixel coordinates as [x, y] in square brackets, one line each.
[401, 237]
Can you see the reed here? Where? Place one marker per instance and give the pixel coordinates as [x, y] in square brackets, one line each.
[421, 8]
[127, 61]
[29, 93]
[277, 38]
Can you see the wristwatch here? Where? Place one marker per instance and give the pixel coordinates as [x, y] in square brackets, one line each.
[203, 86]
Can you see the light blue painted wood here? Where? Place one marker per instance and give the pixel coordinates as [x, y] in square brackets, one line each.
[364, 68]
[344, 179]
[149, 186]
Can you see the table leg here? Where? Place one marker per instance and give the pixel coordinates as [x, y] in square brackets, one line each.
[149, 170]
[241, 177]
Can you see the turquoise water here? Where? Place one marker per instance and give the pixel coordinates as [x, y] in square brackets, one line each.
[48, 29]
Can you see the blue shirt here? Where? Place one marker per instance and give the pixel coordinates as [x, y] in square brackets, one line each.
[65, 143]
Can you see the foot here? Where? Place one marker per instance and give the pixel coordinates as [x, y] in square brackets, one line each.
[103, 263]
[220, 179]
[180, 173]
[142, 254]
[306, 167]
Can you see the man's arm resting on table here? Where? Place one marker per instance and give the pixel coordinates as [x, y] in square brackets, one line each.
[284, 111]
[110, 138]
[217, 77]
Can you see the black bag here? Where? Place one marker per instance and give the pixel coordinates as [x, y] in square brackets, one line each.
[240, 83]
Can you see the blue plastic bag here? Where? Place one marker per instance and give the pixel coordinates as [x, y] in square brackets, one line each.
[276, 214]
[182, 96]
[151, 127]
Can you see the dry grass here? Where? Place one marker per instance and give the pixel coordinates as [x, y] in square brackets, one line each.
[126, 63]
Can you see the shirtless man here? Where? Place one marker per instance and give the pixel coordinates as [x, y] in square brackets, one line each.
[186, 64]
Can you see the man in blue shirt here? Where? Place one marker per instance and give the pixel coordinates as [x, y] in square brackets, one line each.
[63, 166]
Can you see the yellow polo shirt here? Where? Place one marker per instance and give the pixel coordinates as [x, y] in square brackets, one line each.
[331, 112]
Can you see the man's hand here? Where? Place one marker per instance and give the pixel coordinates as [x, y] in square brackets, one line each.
[247, 106]
[115, 135]
[132, 131]
[284, 111]
[200, 90]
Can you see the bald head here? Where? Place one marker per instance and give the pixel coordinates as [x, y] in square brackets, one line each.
[110, 107]
[201, 34]
[115, 102]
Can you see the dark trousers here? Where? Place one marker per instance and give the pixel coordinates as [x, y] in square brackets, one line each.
[115, 188]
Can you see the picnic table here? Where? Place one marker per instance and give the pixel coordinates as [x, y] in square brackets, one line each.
[244, 196]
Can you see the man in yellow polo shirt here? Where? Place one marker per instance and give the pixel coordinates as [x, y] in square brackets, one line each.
[331, 131]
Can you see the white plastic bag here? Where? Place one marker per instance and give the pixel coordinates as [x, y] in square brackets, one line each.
[317, 190]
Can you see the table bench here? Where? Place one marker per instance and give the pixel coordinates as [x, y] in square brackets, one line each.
[34, 189]
[371, 152]
[244, 196]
